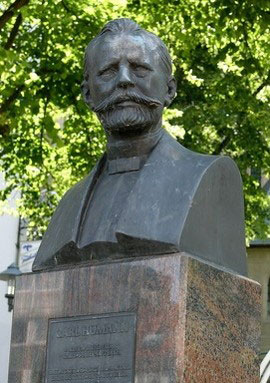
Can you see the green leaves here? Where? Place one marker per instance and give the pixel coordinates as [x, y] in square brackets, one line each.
[49, 139]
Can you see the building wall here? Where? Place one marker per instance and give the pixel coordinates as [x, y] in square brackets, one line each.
[259, 270]
[8, 239]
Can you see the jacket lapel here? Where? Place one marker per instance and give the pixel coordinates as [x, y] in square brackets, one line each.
[64, 228]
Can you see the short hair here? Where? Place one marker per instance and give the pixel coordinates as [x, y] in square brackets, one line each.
[129, 26]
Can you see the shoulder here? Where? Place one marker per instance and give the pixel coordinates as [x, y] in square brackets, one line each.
[206, 163]
[224, 171]
[80, 188]
[217, 212]
[63, 227]
[77, 188]
[170, 149]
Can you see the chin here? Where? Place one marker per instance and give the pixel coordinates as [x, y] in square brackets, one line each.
[129, 120]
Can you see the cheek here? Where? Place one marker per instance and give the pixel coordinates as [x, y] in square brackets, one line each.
[155, 86]
[100, 90]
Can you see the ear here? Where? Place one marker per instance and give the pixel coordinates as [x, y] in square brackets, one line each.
[171, 91]
[86, 91]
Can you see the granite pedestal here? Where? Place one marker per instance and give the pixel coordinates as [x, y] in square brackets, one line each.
[160, 319]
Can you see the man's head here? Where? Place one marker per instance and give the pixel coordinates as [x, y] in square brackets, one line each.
[128, 78]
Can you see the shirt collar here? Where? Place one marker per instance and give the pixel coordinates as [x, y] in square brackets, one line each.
[130, 155]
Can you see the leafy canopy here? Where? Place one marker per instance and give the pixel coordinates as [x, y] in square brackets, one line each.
[49, 139]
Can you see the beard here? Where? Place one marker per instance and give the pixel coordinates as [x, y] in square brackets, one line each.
[129, 120]
[145, 113]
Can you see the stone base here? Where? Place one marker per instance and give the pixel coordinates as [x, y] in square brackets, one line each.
[194, 323]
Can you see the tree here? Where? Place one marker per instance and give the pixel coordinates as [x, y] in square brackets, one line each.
[50, 140]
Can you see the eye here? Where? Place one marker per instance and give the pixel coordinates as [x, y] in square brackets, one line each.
[107, 72]
[140, 70]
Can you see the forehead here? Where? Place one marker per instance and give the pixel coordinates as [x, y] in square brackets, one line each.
[135, 47]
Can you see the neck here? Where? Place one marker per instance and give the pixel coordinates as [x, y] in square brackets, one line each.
[120, 146]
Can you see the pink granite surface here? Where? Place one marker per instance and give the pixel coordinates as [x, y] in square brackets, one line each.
[194, 323]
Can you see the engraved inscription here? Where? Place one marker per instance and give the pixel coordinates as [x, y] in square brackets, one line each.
[85, 330]
[91, 349]
[95, 350]
[89, 374]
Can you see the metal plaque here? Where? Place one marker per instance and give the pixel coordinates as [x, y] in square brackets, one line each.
[91, 349]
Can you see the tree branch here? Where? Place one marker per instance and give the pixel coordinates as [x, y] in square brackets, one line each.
[6, 104]
[263, 84]
[9, 13]
[66, 7]
[241, 119]
[246, 43]
[43, 127]
[4, 130]
[226, 140]
[14, 32]
[68, 10]
[75, 104]
[222, 144]
[258, 66]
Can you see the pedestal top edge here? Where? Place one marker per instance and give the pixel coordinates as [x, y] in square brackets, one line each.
[179, 255]
[108, 261]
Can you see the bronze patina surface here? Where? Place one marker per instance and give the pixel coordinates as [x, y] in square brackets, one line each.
[148, 195]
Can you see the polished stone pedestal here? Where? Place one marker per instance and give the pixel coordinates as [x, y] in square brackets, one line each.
[191, 323]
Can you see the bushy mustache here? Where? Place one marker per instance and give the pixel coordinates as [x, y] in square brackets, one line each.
[112, 101]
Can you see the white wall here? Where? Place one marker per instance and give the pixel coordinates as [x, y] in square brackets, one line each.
[259, 270]
[8, 239]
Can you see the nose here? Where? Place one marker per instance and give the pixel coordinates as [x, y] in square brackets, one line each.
[125, 78]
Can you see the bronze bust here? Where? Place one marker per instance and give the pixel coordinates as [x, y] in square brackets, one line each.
[147, 195]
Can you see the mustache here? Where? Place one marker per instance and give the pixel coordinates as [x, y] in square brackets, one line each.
[113, 100]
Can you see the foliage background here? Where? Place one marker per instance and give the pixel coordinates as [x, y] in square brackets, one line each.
[49, 139]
